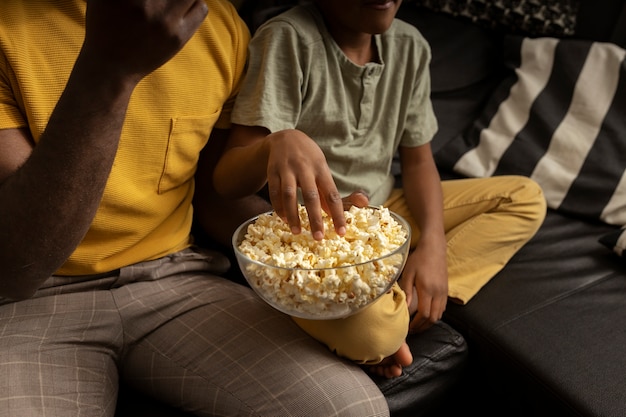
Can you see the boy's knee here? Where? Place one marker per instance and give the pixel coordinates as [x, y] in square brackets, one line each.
[530, 196]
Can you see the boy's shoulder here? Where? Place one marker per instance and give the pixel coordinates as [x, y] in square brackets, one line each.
[302, 19]
[401, 28]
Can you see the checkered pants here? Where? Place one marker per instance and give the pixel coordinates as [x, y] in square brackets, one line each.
[175, 331]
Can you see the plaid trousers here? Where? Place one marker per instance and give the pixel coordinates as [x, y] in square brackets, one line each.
[172, 329]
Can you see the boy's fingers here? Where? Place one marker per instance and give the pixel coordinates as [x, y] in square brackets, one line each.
[333, 205]
[279, 190]
[311, 198]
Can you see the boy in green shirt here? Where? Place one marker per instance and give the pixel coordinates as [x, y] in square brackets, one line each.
[334, 89]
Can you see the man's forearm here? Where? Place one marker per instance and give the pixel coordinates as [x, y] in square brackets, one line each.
[48, 204]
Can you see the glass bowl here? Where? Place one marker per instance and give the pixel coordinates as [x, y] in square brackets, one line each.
[349, 278]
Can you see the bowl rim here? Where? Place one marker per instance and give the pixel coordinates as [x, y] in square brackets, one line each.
[240, 233]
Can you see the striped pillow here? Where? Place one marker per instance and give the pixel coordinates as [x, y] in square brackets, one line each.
[560, 118]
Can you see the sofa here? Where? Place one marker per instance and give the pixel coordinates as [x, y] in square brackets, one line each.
[543, 98]
[547, 335]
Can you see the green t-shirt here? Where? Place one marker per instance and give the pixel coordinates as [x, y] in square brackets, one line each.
[298, 78]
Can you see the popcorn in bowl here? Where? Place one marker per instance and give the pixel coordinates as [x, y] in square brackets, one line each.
[326, 279]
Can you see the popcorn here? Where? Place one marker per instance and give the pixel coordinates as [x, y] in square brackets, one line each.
[329, 278]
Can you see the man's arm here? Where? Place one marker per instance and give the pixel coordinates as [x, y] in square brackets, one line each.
[49, 194]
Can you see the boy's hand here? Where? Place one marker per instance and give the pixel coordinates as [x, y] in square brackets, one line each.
[296, 162]
[425, 276]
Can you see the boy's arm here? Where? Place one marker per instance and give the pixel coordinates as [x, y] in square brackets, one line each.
[218, 216]
[426, 268]
[242, 168]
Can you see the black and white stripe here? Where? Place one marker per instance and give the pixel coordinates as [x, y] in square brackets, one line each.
[559, 119]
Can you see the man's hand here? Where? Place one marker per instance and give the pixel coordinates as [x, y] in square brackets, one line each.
[135, 37]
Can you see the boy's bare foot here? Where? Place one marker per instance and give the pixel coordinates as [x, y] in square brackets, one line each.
[391, 366]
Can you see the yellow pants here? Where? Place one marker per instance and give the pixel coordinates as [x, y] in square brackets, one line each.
[487, 220]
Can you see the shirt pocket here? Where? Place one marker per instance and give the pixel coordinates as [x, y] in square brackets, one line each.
[188, 135]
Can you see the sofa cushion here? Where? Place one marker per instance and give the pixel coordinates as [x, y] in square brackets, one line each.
[455, 44]
[558, 118]
[548, 330]
[466, 66]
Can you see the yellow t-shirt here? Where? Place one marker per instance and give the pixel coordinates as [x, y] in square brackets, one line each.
[146, 209]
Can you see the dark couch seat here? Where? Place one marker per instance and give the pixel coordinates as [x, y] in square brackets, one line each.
[547, 334]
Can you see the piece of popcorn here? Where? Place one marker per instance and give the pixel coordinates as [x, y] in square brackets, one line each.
[331, 276]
